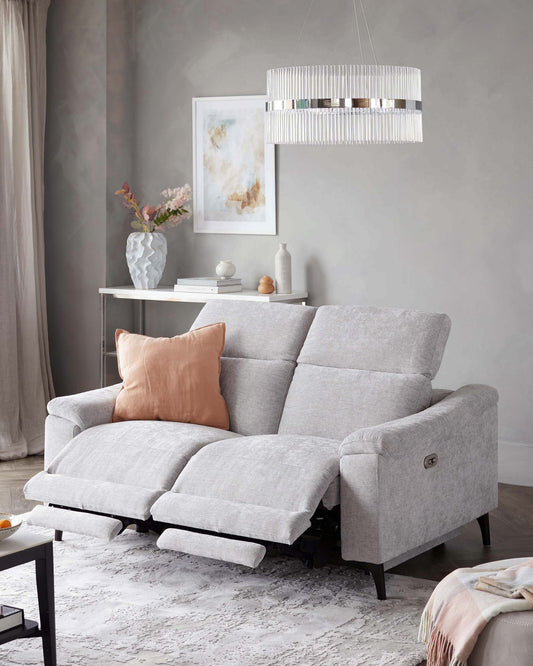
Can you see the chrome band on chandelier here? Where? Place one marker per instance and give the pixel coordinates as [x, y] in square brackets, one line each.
[343, 103]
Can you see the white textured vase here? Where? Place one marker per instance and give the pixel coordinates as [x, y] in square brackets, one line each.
[146, 254]
[282, 270]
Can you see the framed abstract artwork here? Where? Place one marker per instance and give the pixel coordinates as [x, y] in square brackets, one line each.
[234, 172]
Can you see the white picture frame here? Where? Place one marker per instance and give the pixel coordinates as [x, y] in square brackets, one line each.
[234, 179]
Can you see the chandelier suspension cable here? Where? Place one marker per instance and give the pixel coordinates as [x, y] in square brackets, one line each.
[309, 8]
[356, 25]
[368, 32]
[358, 34]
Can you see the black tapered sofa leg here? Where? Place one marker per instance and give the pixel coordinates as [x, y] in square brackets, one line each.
[58, 535]
[378, 574]
[484, 526]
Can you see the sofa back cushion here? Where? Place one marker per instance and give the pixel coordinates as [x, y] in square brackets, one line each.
[361, 366]
[263, 341]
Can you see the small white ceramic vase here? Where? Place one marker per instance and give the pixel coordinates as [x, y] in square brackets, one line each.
[146, 254]
[225, 269]
[282, 270]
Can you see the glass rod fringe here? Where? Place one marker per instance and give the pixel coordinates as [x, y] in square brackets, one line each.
[343, 125]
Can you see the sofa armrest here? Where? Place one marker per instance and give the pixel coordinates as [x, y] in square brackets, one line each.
[457, 411]
[70, 414]
[392, 503]
[86, 409]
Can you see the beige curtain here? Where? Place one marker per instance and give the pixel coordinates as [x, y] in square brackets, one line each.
[25, 376]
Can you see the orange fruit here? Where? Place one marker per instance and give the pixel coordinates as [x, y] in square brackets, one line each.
[5, 523]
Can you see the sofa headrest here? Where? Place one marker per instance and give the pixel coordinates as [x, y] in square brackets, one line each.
[265, 331]
[380, 339]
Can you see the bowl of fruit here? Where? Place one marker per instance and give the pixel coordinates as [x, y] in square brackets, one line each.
[8, 525]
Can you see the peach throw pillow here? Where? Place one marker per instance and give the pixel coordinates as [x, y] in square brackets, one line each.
[172, 379]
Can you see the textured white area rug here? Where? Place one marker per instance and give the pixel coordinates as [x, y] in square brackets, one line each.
[129, 603]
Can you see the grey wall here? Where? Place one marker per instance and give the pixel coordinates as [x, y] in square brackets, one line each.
[121, 157]
[75, 181]
[90, 150]
[445, 225]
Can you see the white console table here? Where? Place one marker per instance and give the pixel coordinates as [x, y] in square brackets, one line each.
[168, 295]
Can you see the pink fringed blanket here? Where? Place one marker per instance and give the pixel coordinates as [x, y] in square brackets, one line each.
[462, 604]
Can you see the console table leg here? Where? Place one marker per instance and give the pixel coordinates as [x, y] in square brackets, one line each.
[141, 326]
[102, 341]
[44, 573]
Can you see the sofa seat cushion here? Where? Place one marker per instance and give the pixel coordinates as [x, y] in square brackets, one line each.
[121, 468]
[263, 487]
[145, 454]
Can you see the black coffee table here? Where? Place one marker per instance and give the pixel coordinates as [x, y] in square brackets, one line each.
[25, 547]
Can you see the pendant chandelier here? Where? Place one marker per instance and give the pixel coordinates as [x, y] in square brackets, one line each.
[336, 104]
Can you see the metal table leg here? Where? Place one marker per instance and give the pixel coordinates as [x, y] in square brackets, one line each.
[141, 318]
[103, 343]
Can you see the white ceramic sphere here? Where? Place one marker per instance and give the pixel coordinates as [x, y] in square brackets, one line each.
[225, 269]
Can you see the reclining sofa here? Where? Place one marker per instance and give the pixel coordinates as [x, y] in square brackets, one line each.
[338, 446]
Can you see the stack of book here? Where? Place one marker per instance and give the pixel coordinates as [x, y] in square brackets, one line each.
[209, 285]
[10, 617]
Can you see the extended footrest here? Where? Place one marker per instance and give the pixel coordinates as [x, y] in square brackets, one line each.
[214, 514]
[78, 522]
[217, 548]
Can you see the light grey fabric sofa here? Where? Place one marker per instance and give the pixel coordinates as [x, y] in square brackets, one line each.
[338, 444]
